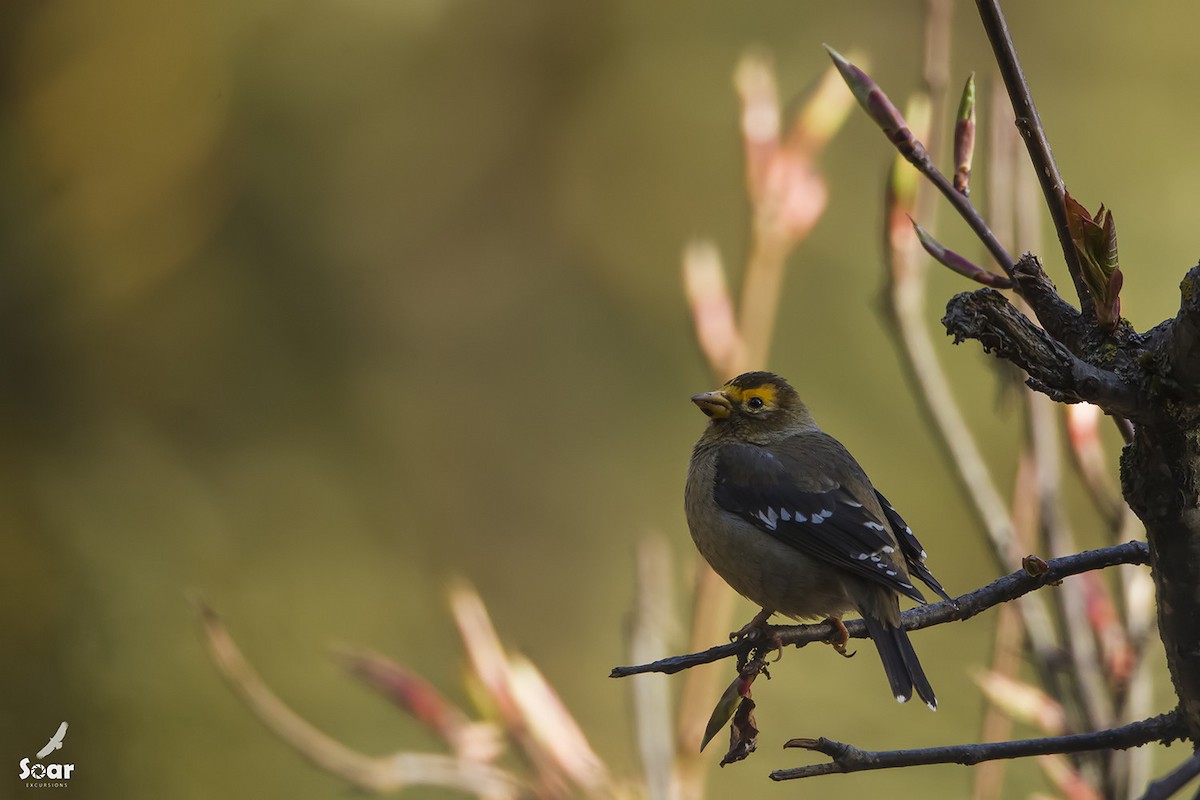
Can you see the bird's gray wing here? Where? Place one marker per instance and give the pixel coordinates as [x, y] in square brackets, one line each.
[821, 519]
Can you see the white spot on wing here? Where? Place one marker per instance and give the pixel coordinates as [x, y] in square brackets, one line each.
[875, 526]
[852, 503]
[800, 517]
[891, 573]
[863, 556]
[785, 515]
[887, 548]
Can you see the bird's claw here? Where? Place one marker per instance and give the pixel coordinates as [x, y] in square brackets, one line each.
[757, 629]
[841, 637]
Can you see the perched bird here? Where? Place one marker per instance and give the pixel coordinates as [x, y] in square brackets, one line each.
[783, 512]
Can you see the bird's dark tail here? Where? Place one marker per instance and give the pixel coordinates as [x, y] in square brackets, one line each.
[900, 662]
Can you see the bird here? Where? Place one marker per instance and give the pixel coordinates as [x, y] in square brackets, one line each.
[55, 742]
[786, 516]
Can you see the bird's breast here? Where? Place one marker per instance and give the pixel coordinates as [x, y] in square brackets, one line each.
[755, 564]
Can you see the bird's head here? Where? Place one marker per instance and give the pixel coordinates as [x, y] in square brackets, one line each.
[755, 406]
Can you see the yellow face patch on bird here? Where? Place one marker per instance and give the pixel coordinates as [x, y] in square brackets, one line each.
[753, 397]
[733, 395]
[763, 401]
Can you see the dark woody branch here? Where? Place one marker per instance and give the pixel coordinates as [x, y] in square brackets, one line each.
[1043, 299]
[988, 317]
[847, 758]
[1030, 125]
[999, 591]
[1172, 782]
[1176, 357]
[1060, 319]
[884, 113]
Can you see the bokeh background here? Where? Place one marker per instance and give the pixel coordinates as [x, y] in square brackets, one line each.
[310, 307]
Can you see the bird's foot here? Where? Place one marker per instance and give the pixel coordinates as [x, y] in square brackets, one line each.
[759, 629]
[841, 636]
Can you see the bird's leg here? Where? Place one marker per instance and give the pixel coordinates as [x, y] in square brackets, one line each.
[841, 636]
[759, 628]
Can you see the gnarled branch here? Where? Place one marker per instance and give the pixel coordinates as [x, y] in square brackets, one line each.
[987, 316]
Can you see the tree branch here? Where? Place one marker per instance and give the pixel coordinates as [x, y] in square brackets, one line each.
[883, 112]
[847, 758]
[1177, 355]
[987, 316]
[998, 591]
[1030, 125]
[389, 773]
[1060, 319]
[1173, 781]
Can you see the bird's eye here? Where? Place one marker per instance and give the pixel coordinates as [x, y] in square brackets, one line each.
[754, 403]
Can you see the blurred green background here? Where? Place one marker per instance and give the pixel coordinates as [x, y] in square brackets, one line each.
[309, 307]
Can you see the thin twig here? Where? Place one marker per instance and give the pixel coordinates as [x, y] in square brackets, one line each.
[472, 741]
[1024, 507]
[847, 758]
[905, 295]
[784, 210]
[939, 25]
[1088, 683]
[881, 110]
[712, 607]
[1001, 590]
[1030, 125]
[1139, 621]
[373, 773]
[649, 635]
[1087, 698]
[760, 295]
[1006, 648]
[1173, 781]
[966, 209]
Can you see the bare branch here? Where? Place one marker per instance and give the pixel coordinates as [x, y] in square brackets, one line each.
[471, 741]
[877, 105]
[1173, 781]
[904, 292]
[959, 263]
[650, 629]
[988, 317]
[1060, 319]
[1001, 590]
[847, 758]
[1030, 125]
[373, 773]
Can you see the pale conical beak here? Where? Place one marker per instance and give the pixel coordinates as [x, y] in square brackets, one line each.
[714, 404]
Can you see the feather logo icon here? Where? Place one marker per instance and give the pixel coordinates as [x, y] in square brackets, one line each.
[55, 742]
